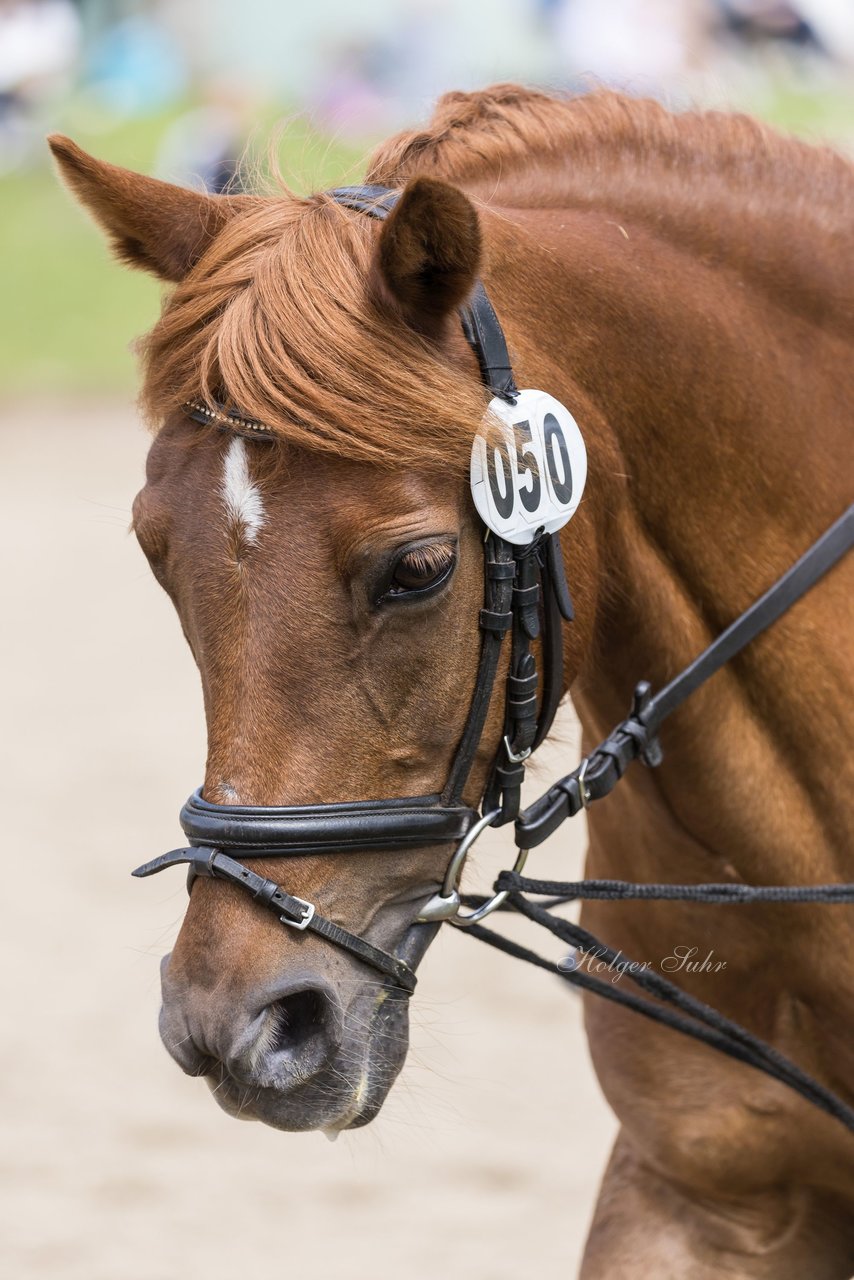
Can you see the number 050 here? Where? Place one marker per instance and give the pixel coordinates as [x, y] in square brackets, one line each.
[522, 476]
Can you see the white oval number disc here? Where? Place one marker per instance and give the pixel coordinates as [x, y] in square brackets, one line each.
[528, 467]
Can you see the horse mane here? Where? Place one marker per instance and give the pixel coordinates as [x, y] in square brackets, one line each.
[488, 138]
[277, 322]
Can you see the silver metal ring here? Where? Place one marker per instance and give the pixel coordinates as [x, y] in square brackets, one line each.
[488, 907]
[445, 904]
[455, 866]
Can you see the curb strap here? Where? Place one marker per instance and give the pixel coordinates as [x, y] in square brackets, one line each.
[296, 913]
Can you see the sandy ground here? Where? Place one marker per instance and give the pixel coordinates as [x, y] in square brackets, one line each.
[485, 1159]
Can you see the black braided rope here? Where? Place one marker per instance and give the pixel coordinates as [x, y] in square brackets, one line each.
[618, 890]
[694, 1018]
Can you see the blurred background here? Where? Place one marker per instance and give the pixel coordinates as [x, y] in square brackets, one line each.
[181, 88]
[485, 1161]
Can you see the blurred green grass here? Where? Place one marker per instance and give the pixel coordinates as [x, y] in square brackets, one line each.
[70, 313]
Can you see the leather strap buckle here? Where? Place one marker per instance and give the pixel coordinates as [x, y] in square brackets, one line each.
[515, 757]
[303, 921]
[583, 791]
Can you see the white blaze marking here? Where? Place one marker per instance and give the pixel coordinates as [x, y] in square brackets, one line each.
[243, 502]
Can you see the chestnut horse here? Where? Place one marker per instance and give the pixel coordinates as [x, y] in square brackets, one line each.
[685, 285]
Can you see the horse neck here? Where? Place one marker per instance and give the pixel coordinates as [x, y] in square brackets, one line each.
[714, 416]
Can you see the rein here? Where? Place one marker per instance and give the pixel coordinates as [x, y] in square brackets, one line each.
[526, 595]
[636, 736]
[687, 1014]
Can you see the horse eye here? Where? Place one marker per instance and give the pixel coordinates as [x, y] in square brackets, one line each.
[421, 570]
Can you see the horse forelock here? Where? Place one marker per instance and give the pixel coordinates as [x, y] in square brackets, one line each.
[278, 321]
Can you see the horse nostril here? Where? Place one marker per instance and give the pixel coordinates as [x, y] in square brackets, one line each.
[300, 1024]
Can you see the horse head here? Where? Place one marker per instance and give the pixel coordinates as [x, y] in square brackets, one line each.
[327, 568]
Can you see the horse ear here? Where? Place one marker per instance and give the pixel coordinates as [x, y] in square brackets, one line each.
[151, 224]
[428, 254]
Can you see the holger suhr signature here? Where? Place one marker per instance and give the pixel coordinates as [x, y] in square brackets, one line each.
[601, 963]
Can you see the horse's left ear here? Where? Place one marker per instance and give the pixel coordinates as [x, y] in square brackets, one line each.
[428, 254]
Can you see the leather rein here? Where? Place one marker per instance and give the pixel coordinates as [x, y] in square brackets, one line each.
[525, 596]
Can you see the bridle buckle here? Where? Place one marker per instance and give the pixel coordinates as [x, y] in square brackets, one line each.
[304, 920]
[515, 757]
[583, 790]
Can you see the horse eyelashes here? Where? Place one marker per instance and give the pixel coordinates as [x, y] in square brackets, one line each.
[420, 570]
[426, 562]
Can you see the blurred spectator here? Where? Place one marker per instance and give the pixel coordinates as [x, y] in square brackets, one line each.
[203, 147]
[643, 46]
[135, 65]
[353, 91]
[368, 68]
[39, 43]
[833, 22]
[760, 20]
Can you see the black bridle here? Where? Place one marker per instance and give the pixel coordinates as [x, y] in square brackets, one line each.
[517, 582]
[525, 595]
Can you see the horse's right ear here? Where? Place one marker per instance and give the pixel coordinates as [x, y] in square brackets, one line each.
[151, 224]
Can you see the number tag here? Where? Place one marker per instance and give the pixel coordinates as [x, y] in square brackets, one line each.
[528, 467]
